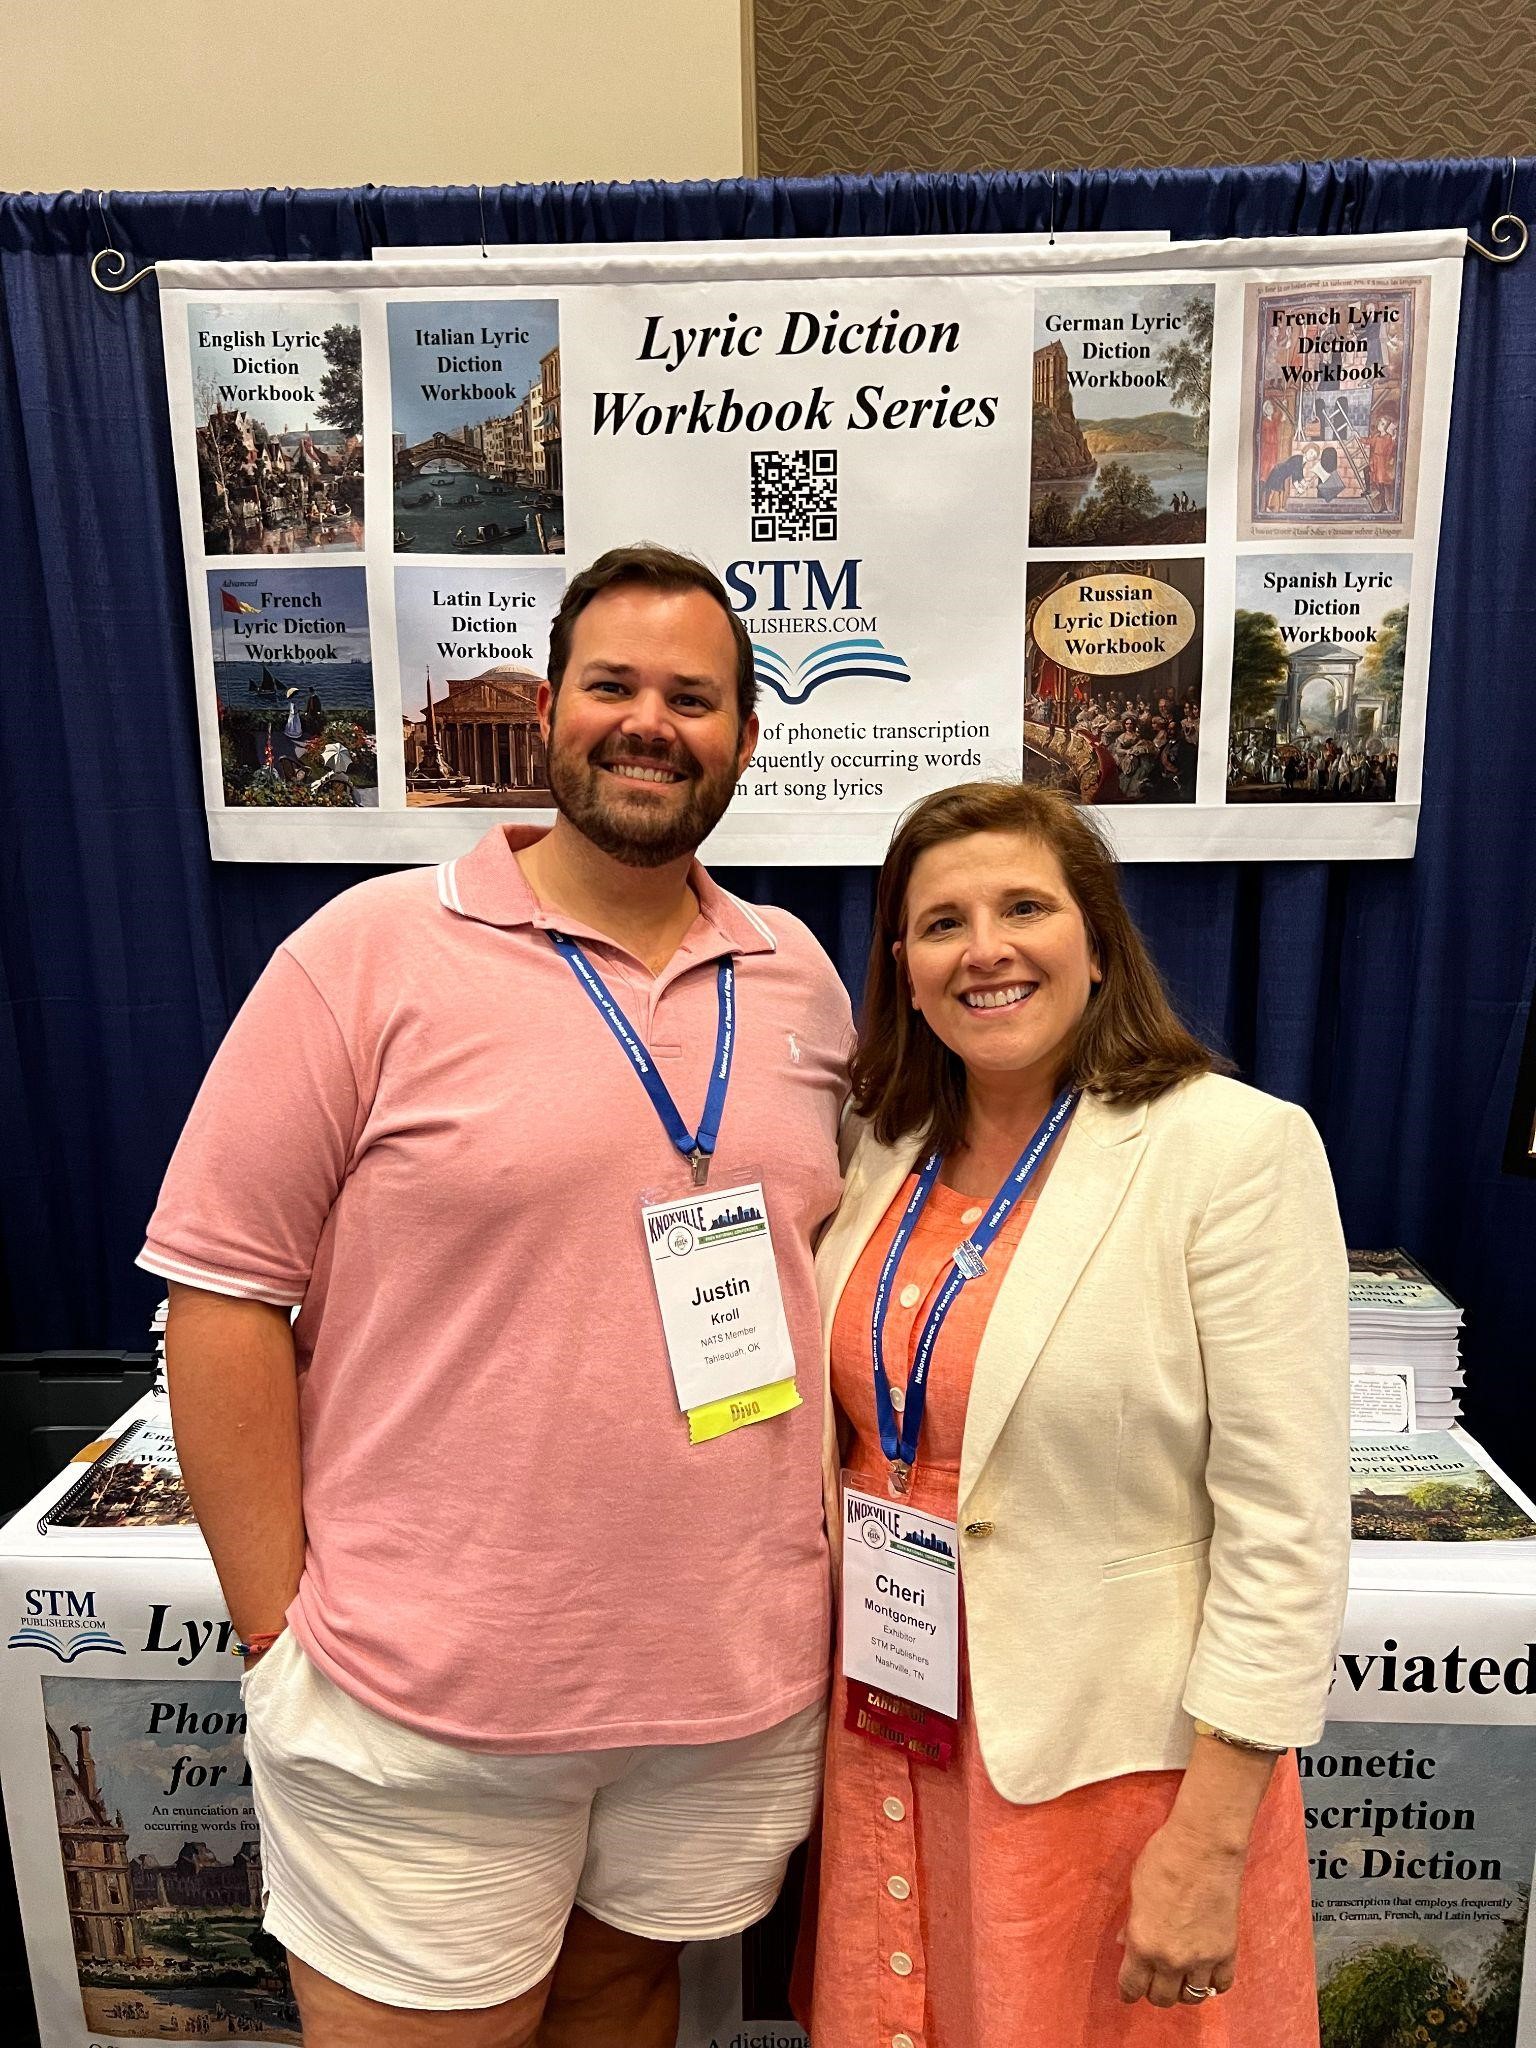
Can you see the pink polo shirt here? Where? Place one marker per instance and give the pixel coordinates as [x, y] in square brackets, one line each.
[421, 1132]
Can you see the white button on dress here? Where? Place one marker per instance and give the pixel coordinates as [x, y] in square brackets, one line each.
[893, 1809]
[969, 1216]
[898, 1887]
[898, 1398]
[902, 2041]
[912, 1294]
[901, 1963]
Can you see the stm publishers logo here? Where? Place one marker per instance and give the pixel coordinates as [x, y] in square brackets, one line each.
[840, 661]
[64, 1623]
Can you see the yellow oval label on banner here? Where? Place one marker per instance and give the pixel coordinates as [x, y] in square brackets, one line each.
[1113, 624]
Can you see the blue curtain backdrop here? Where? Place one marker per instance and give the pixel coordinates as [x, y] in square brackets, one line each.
[1389, 998]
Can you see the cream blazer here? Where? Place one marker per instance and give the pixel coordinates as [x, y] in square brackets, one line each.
[1154, 1484]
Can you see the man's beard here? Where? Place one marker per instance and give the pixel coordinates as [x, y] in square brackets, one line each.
[637, 832]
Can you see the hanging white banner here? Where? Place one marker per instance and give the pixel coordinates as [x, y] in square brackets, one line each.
[1157, 525]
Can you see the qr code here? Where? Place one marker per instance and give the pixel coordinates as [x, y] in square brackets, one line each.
[794, 496]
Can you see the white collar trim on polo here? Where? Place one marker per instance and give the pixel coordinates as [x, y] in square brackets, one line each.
[487, 885]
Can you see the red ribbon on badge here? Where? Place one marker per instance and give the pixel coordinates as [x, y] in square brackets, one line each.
[900, 1724]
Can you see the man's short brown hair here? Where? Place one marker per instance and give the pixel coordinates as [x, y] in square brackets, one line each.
[657, 569]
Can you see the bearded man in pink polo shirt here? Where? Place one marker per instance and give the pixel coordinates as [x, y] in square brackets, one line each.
[519, 1516]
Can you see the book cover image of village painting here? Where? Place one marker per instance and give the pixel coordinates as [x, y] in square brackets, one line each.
[1112, 689]
[1318, 649]
[1426, 1489]
[1332, 406]
[135, 1483]
[474, 644]
[293, 674]
[1122, 414]
[277, 394]
[162, 1861]
[1420, 1835]
[476, 444]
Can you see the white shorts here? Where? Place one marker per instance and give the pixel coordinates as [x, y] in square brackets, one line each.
[432, 1877]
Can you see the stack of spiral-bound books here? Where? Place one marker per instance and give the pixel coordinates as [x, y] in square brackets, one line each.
[1402, 1322]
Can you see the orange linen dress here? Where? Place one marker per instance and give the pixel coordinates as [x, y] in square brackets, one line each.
[947, 1917]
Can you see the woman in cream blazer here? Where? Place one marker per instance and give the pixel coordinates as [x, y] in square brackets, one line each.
[1150, 1484]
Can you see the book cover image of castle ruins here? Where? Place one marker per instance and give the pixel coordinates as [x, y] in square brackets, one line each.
[1121, 415]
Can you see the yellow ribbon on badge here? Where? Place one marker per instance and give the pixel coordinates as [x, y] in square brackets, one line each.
[738, 1411]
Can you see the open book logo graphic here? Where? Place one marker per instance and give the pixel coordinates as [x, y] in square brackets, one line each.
[63, 1622]
[839, 661]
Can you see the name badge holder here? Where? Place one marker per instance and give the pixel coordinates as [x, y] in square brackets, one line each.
[901, 1624]
[711, 1251]
[901, 1578]
[722, 1308]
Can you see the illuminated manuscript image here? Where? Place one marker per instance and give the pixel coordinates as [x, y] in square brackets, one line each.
[1112, 692]
[1332, 405]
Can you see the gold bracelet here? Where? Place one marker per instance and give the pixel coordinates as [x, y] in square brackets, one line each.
[1240, 1741]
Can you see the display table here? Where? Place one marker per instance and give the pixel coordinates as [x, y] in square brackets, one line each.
[138, 1861]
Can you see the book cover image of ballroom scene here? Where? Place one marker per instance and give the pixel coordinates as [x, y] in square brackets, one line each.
[1331, 406]
[474, 644]
[293, 675]
[1122, 415]
[1318, 648]
[162, 1862]
[277, 394]
[1426, 1489]
[1421, 1838]
[477, 446]
[1112, 703]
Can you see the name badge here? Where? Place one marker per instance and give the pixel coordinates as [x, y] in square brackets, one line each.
[901, 1601]
[722, 1310]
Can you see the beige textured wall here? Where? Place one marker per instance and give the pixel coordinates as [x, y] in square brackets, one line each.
[959, 85]
[203, 94]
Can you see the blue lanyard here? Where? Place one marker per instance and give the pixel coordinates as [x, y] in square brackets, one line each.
[900, 1447]
[697, 1148]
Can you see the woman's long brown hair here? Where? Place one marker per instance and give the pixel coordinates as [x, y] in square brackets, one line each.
[1130, 1045]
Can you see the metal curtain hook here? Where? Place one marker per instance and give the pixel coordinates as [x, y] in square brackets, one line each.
[112, 260]
[1051, 238]
[480, 195]
[1508, 225]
